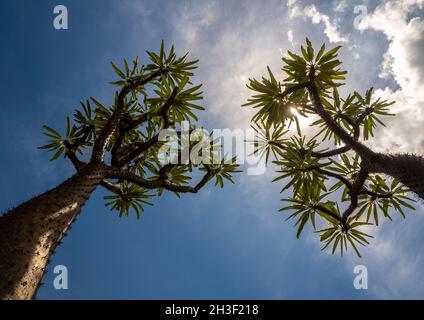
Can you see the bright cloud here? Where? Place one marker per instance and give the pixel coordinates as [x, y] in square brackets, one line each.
[311, 12]
[232, 49]
[402, 62]
[290, 36]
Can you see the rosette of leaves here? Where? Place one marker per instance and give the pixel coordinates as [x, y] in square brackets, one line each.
[130, 197]
[268, 141]
[381, 196]
[306, 204]
[325, 65]
[300, 167]
[337, 238]
[273, 108]
[58, 143]
[223, 171]
[372, 111]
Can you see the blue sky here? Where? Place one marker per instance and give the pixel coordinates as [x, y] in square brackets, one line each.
[218, 244]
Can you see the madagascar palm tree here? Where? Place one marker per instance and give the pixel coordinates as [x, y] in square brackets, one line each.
[370, 182]
[124, 143]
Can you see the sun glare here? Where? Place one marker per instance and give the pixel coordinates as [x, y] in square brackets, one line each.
[304, 122]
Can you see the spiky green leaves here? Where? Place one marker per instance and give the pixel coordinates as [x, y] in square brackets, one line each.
[178, 97]
[223, 171]
[176, 68]
[273, 109]
[324, 65]
[353, 113]
[177, 175]
[128, 73]
[337, 239]
[299, 167]
[381, 196]
[130, 197]
[268, 141]
[312, 207]
[173, 69]
[378, 195]
[372, 111]
[59, 144]
[306, 205]
[346, 167]
[276, 101]
[343, 111]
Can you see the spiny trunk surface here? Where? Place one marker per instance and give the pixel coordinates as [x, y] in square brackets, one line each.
[407, 168]
[30, 232]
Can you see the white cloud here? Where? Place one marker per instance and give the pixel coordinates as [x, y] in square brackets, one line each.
[290, 36]
[193, 20]
[311, 12]
[402, 62]
[239, 47]
[406, 38]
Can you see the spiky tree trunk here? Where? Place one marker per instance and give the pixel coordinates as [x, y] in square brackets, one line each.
[30, 232]
[407, 168]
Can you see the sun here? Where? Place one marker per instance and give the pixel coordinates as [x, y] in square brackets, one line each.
[304, 122]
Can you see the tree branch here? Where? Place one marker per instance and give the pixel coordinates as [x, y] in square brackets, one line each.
[323, 154]
[165, 108]
[356, 132]
[354, 192]
[111, 126]
[330, 153]
[71, 154]
[163, 112]
[350, 141]
[113, 187]
[140, 147]
[161, 182]
[293, 89]
[325, 210]
[347, 183]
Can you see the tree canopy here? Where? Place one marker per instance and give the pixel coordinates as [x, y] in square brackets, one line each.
[331, 164]
[155, 96]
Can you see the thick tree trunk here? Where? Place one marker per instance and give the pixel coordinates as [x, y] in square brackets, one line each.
[30, 233]
[407, 168]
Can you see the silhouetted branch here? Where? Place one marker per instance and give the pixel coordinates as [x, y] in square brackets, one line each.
[113, 187]
[111, 126]
[160, 182]
[354, 193]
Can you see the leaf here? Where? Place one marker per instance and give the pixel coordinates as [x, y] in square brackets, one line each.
[57, 154]
[52, 131]
[305, 218]
[117, 71]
